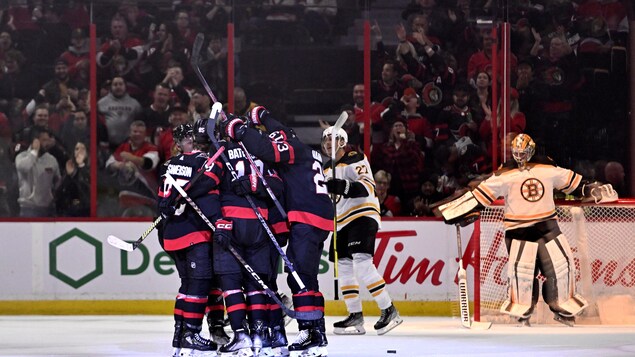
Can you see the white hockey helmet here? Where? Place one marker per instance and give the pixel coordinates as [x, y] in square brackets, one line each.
[523, 148]
[341, 135]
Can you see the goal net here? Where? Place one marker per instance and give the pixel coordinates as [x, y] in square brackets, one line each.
[602, 238]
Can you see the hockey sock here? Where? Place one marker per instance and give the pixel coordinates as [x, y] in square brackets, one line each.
[215, 305]
[257, 307]
[367, 272]
[349, 285]
[236, 308]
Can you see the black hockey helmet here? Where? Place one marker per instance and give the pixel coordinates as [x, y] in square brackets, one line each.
[182, 131]
[200, 132]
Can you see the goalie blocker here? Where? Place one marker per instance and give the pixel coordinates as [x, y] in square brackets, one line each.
[461, 208]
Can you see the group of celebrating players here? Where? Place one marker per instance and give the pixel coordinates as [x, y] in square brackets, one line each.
[263, 189]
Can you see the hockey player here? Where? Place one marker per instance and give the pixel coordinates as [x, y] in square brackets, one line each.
[358, 221]
[310, 213]
[245, 299]
[186, 238]
[532, 236]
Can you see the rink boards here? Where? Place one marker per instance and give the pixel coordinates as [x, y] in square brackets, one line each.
[68, 267]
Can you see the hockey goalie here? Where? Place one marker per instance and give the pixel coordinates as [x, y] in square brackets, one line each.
[533, 239]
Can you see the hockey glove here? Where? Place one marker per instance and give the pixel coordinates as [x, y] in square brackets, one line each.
[223, 234]
[257, 114]
[282, 239]
[166, 209]
[245, 185]
[234, 127]
[338, 186]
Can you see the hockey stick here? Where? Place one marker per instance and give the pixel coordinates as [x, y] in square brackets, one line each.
[128, 246]
[196, 49]
[336, 128]
[287, 262]
[300, 315]
[464, 300]
[194, 61]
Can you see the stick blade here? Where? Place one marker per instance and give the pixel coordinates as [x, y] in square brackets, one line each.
[477, 325]
[340, 122]
[120, 243]
[196, 49]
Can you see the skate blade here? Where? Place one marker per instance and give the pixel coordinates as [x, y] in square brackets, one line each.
[310, 352]
[282, 351]
[477, 325]
[393, 323]
[243, 352]
[351, 330]
[568, 323]
[186, 352]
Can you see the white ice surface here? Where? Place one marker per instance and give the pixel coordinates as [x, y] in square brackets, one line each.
[417, 336]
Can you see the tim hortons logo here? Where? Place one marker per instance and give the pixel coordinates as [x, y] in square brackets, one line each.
[608, 272]
[401, 270]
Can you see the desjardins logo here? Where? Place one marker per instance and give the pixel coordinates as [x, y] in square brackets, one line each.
[66, 248]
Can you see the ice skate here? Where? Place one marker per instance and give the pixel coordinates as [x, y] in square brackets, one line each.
[389, 320]
[217, 332]
[240, 345]
[352, 325]
[565, 320]
[325, 341]
[278, 341]
[260, 340]
[176, 340]
[307, 344]
[192, 344]
[524, 322]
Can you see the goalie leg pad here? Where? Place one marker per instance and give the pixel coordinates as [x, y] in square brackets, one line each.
[559, 289]
[521, 274]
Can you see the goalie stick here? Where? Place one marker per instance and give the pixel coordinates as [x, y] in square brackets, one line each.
[130, 246]
[299, 315]
[336, 128]
[464, 300]
[194, 61]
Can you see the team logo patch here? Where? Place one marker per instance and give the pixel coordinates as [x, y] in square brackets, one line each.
[532, 190]
[193, 265]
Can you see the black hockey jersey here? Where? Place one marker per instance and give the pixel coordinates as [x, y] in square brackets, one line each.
[300, 167]
[186, 228]
[234, 206]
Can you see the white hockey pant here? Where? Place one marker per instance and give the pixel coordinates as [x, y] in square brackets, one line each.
[521, 273]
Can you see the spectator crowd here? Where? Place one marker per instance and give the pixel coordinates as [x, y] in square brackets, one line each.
[431, 112]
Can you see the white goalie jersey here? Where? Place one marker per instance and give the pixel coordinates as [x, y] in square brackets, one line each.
[354, 167]
[528, 193]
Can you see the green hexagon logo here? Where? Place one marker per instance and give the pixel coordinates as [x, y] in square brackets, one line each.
[66, 278]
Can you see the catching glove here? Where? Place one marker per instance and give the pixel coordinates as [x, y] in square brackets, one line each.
[338, 186]
[224, 233]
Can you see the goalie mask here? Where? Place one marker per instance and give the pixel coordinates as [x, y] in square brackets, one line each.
[327, 135]
[523, 148]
